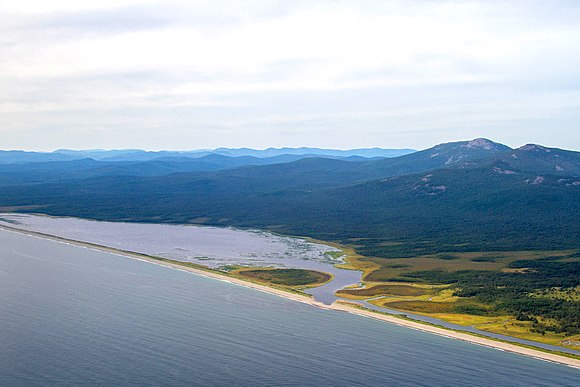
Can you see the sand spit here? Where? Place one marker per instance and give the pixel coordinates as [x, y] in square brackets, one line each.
[343, 307]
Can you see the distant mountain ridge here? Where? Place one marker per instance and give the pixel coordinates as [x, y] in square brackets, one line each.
[465, 196]
[16, 156]
[271, 152]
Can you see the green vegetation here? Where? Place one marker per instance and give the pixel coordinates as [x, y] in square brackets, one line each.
[396, 266]
[422, 306]
[569, 294]
[475, 320]
[512, 292]
[486, 258]
[482, 232]
[286, 277]
[411, 206]
[388, 270]
[384, 290]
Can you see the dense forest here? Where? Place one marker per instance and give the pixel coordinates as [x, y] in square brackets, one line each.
[475, 196]
[490, 199]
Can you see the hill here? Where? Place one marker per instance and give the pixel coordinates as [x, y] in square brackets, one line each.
[479, 232]
[472, 195]
[78, 169]
[439, 156]
[134, 155]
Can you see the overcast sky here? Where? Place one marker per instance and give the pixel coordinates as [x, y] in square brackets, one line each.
[342, 74]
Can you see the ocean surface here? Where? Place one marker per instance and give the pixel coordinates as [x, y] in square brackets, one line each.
[73, 316]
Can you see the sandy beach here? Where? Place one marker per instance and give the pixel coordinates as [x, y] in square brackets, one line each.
[343, 307]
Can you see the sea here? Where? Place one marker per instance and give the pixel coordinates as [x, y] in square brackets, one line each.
[222, 247]
[72, 316]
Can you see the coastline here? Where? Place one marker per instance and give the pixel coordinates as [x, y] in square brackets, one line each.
[572, 362]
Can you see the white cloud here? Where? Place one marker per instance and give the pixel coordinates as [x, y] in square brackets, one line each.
[327, 59]
[32, 7]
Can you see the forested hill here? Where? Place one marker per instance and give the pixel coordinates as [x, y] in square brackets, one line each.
[472, 195]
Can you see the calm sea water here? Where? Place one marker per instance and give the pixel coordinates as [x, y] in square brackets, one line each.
[74, 316]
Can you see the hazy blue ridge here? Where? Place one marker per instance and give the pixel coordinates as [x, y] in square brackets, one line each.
[470, 195]
[17, 156]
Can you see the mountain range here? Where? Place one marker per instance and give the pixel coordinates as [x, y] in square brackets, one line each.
[19, 156]
[463, 196]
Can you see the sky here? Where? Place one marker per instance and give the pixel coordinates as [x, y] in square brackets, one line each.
[337, 74]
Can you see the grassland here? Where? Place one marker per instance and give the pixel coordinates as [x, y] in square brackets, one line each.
[506, 292]
[385, 290]
[294, 278]
[393, 283]
[451, 311]
[395, 269]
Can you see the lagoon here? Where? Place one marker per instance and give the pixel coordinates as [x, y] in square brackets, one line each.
[219, 247]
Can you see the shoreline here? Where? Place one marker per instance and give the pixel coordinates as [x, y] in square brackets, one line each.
[499, 345]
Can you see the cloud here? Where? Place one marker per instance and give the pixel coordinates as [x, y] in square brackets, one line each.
[455, 66]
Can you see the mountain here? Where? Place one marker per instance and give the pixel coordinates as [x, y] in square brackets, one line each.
[17, 156]
[542, 160]
[339, 170]
[493, 203]
[272, 152]
[115, 155]
[320, 173]
[463, 196]
[439, 156]
[57, 171]
[462, 209]
[141, 155]
[96, 154]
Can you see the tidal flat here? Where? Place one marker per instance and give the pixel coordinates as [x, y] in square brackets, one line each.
[214, 247]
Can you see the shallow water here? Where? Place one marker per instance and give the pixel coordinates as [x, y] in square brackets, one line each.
[75, 316]
[209, 246]
[216, 247]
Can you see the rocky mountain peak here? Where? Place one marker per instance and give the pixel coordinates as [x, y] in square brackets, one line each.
[481, 143]
[534, 147]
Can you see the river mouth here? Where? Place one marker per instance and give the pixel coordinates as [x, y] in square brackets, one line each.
[214, 247]
[219, 248]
